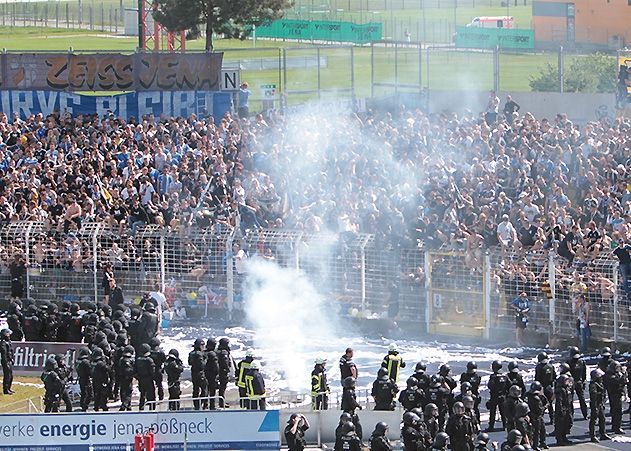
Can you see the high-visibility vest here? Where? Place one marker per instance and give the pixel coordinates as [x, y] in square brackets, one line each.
[316, 384]
[243, 367]
[393, 365]
[249, 388]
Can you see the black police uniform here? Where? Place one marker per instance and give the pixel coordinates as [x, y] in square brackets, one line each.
[411, 398]
[74, 333]
[510, 407]
[615, 382]
[126, 370]
[545, 374]
[537, 403]
[173, 367]
[460, 431]
[100, 380]
[6, 359]
[145, 372]
[498, 387]
[65, 374]
[564, 408]
[438, 394]
[32, 325]
[578, 370]
[384, 391]
[349, 405]
[15, 318]
[379, 442]
[159, 357]
[211, 371]
[226, 364]
[84, 373]
[597, 408]
[296, 439]
[348, 442]
[53, 387]
[197, 362]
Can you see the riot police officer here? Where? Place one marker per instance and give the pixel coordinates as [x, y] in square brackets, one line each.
[384, 391]
[145, 372]
[32, 324]
[295, 430]
[438, 394]
[117, 353]
[460, 429]
[126, 370]
[53, 386]
[173, 367]
[65, 375]
[74, 333]
[350, 404]
[412, 396]
[15, 319]
[197, 362]
[319, 385]
[159, 357]
[211, 371]
[537, 403]
[100, 379]
[578, 370]
[510, 406]
[498, 387]
[545, 374]
[471, 376]
[6, 359]
[226, 365]
[597, 406]
[514, 376]
[523, 423]
[349, 440]
[563, 391]
[83, 365]
[615, 381]
[378, 439]
[393, 362]
[430, 419]
[605, 358]
[411, 436]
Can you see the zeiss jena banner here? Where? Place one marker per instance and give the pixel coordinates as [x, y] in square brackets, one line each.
[237, 430]
[136, 104]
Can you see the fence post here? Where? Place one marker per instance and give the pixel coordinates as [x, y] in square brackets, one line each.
[372, 69]
[56, 15]
[28, 259]
[428, 284]
[319, 75]
[561, 63]
[67, 16]
[95, 261]
[163, 277]
[615, 303]
[362, 274]
[552, 282]
[496, 68]
[353, 73]
[229, 276]
[396, 68]
[286, 86]
[486, 290]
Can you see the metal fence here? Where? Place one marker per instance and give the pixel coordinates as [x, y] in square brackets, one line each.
[443, 291]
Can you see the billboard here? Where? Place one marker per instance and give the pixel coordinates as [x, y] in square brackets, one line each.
[136, 104]
[490, 38]
[321, 30]
[111, 71]
[30, 356]
[207, 430]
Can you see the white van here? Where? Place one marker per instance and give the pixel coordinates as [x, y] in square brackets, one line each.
[492, 22]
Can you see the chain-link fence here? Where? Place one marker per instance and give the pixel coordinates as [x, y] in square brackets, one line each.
[202, 274]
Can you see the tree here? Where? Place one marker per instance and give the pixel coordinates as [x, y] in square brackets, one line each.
[591, 73]
[231, 18]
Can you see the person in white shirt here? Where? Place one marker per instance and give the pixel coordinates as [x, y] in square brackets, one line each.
[506, 233]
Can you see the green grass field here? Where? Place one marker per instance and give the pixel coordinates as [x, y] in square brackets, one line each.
[25, 388]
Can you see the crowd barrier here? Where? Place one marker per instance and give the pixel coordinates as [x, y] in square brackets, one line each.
[444, 292]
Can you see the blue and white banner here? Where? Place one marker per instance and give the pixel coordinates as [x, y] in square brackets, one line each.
[201, 430]
[136, 104]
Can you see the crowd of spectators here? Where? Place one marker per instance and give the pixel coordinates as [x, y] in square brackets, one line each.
[470, 182]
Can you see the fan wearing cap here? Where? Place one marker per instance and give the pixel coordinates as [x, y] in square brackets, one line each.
[295, 432]
[319, 386]
[393, 362]
[597, 406]
[255, 387]
[239, 373]
[578, 370]
[6, 358]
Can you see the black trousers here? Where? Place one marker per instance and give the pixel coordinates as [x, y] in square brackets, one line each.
[199, 391]
[125, 387]
[7, 377]
[174, 395]
[86, 394]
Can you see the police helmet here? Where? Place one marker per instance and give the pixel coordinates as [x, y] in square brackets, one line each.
[483, 438]
[514, 436]
[84, 351]
[614, 366]
[513, 367]
[211, 344]
[74, 308]
[348, 427]
[5, 333]
[392, 347]
[382, 373]
[149, 307]
[410, 418]
[496, 365]
[349, 382]
[224, 342]
[563, 379]
[51, 309]
[444, 369]
[605, 352]
[435, 380]
[441, 440]
[154, 342]
[468, 401]
[97, 354]
[471, 367]
[564, 368]
[431, 410]
[198, 344]
[255, 365]
[121, 339]
[417, 411]
[345, 417]
[50, 364]
[60, 359]
[65, 306]
[381, 428]
[514, 391]
[542, 357]
[412, 382]
[596, 374]
[128, 351]
[421, 367]
[522, 409]
[144, 350]
[536, 387]
[175, 353]
[458, 408]
[574, 352]
[465, 387]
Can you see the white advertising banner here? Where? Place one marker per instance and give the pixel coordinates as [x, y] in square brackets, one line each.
[201, 430]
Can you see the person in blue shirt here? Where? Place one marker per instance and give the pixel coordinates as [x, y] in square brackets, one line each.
[244, 97]
[521, 305]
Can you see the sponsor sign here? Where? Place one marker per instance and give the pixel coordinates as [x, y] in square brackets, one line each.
[111, 71]
[234, 430]
[136, 104]
[30, 356]
[321, 30]
[489, 38]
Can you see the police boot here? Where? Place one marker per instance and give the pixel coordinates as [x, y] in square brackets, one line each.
[604, 437]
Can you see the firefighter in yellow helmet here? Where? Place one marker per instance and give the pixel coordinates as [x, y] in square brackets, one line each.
[240, 372]
[319, 385]
[393, 362]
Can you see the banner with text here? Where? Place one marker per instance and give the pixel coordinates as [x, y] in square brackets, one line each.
[490, 38]
[136, 104]
[321, 30]
[111, 72]
[30, 356]
[116, 431]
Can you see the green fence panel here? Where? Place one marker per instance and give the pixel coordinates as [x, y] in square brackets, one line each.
[321, 30]
[489, 38]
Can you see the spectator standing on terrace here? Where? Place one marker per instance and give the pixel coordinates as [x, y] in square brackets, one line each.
[583, 329]
[510, 107]
[244, 99]
[506, 233]
[521, 305]
[492, 108]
